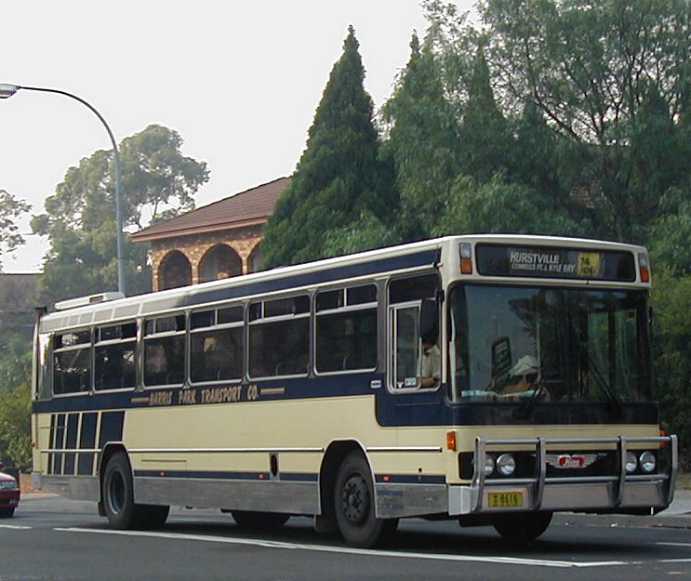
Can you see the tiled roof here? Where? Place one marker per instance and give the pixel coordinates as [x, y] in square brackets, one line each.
[247, 208]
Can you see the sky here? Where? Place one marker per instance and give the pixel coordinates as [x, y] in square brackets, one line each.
[239, 81]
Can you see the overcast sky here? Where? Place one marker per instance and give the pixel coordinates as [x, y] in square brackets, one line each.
[238, 80]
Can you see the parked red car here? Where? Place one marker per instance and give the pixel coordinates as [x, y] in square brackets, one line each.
[9, 494]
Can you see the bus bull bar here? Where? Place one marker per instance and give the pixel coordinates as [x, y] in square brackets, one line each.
[619, 492]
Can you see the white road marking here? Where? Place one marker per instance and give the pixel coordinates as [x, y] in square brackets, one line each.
[15, 527]
[348, 550]
[674, 544]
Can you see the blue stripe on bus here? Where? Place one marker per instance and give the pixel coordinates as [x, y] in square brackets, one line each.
[204, 474]
[410, 479]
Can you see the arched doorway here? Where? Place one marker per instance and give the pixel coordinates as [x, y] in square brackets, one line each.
[220, 261]
[175, 270]
[255, 262]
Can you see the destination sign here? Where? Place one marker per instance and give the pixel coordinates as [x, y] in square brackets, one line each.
[546, 262]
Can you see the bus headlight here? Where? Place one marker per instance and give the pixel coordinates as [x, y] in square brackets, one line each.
[647, 462]
[489, 464]
[506, 464]
[631, 462]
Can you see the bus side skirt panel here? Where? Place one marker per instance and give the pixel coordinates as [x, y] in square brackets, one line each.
[267, 496]
[73, 487]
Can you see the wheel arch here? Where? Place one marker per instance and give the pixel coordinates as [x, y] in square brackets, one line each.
[334, 455]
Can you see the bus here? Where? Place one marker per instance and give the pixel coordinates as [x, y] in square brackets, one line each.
[490, 379]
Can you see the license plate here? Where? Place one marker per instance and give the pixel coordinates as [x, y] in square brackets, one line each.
[505, 499]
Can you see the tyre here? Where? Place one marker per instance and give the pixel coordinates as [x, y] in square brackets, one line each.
[118, 499]
[7, 512]
[354, 505]
[259, 520]
[523, 527]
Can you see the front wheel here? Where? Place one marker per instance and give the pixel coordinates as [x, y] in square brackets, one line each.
[259, 520]
[354, 505]
[522, 527]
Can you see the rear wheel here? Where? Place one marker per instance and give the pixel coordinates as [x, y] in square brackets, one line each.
[259, 520]
[7, 512]
[118, 499]
[354, 505]
[522, 527]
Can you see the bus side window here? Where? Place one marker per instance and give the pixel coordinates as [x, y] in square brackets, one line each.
[415, 361]
[72, 362]
[279, 337]
[115, 355]
[346, 329]
[164, 351]
[216, 344]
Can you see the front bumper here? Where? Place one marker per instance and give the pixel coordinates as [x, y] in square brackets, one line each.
[619, 493]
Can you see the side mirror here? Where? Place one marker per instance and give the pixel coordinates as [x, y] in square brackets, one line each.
[502, 358]
[429, 321]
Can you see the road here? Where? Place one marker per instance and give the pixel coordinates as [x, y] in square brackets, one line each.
[53, 538]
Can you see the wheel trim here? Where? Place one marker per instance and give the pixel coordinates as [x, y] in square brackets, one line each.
[116, 493]
[355, 499]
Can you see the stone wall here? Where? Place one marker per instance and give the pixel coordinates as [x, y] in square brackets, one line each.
[242, 240]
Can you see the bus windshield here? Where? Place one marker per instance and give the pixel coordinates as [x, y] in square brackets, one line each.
[549, 344]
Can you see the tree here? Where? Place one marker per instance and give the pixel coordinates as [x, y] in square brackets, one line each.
[339, 174]
[603, 73]
[158, 181]
[498, 207]
[486, 143]
[423, 141]
[10, 209]
[15, 426]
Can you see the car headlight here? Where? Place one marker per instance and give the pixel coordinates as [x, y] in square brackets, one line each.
[631, 462]
[506, 464]
[489, 464]
[8, 485]
[647, 462]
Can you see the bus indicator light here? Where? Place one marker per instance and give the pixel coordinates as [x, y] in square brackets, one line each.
[644, 267]
[466, 258]
[451, 441]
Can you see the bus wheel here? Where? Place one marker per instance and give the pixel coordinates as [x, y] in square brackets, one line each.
[259, 520]
[118, 493]
[354, 505]
[7, 512]
[523, 527]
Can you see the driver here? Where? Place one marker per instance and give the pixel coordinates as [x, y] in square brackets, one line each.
[431, 363]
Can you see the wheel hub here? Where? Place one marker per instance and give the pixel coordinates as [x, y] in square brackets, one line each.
[355, 499]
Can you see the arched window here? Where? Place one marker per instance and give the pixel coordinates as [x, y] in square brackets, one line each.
[175, 270]
[255, 262]
[219, 262]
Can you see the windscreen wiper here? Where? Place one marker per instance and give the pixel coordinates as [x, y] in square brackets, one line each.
[612, 396]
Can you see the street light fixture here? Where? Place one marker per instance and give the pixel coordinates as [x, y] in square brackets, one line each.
[8, 90]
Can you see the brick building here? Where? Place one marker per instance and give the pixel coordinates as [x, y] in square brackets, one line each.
[219, 240]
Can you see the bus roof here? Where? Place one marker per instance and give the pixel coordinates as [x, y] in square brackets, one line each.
[425, 251]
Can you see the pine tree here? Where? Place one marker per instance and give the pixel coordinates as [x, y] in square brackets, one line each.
[423, 141]
[338, 176]
[486, 145]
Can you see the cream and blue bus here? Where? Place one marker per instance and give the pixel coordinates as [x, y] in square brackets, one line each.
[490, 379]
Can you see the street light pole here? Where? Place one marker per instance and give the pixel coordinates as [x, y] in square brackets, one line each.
[7, 91]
